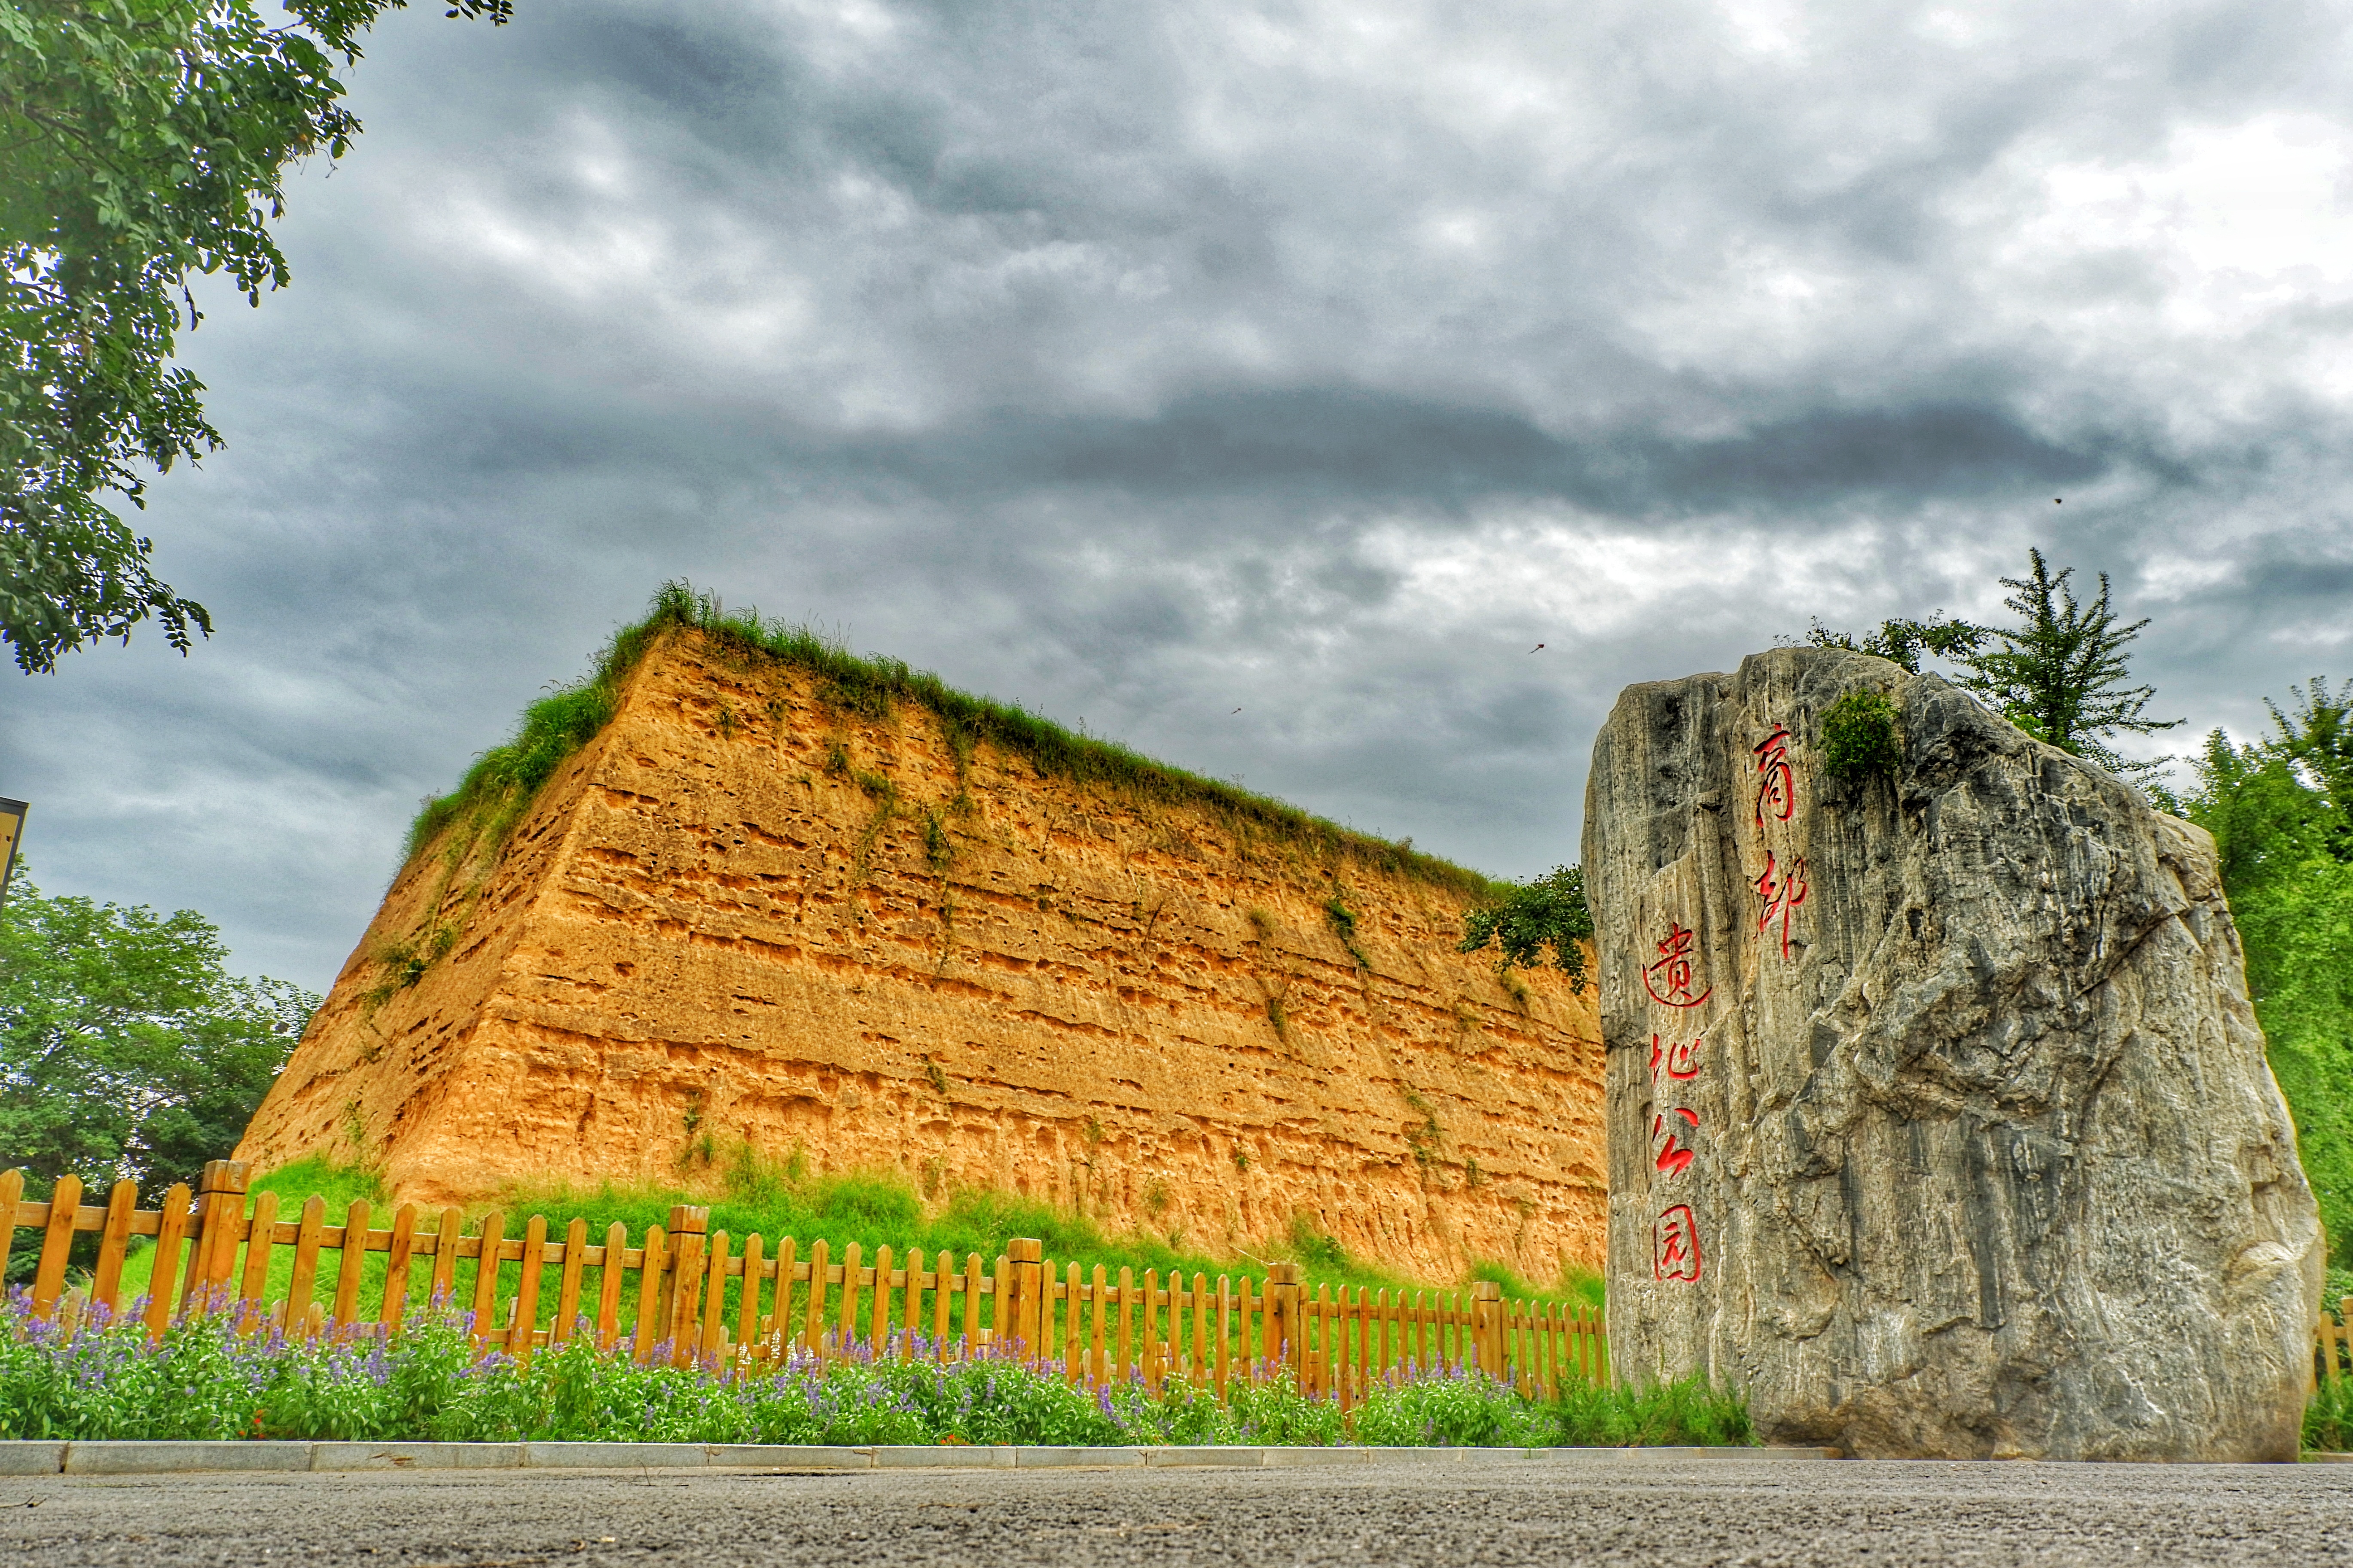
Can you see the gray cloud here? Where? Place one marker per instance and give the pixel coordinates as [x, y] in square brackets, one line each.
[1143, 362]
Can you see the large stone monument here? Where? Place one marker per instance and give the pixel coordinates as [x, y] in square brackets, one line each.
[1939, 1121]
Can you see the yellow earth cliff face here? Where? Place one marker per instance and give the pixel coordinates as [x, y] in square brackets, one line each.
[741, 916]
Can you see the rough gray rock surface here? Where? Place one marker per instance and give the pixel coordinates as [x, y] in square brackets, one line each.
[1939, 1120]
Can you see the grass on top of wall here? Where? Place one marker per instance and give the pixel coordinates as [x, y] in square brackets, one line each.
[500, 785]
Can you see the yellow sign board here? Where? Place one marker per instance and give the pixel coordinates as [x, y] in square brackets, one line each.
[12, 830]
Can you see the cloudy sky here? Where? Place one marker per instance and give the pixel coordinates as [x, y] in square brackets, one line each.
[1142, 361]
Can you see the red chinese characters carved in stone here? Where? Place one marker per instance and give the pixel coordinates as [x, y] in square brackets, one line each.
[1783, 889]
[1680, 1057]
[1777, 788]
[1669, 980]
[1674, 1244]
[1675, 1156]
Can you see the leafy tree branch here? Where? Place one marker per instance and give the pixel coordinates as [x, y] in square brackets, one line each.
[141, 142]
[1525, 918]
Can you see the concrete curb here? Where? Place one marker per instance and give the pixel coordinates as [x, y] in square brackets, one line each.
[23, 1457]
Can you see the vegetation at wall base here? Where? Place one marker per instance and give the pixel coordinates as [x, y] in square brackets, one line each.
[499, 786]
[779, 1198]
[211, 1378]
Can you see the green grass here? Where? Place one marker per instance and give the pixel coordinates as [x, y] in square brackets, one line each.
[1577, 1288]
[338, 1184]
[2328, 1417]
[777, 1201]
[500, 785]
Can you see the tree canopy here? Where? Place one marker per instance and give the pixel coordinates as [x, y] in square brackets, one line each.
[2060, 674]
[1906, 641]
[2286, 843]
[126, 1046]
[2316, 738]
[141, 142]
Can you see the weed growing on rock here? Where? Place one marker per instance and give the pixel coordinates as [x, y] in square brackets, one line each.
[1279, 1019]
[1863, 736]
[1344, 925]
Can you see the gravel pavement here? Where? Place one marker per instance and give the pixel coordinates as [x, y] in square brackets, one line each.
[1615, 1512]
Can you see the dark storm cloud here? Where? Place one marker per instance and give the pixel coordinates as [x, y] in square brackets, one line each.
[1374, 447]
[1143, 362]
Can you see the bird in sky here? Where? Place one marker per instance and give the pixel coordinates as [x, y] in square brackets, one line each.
[1230, 715]
[1538, 648]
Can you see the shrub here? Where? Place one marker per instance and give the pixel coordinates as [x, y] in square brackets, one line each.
[1670, 1415]
[1863, 736]
[1462, 1410]
[1520, 919]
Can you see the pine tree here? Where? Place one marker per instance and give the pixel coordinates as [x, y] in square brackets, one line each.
[2060, 674]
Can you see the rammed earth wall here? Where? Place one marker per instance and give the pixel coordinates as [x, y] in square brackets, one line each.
[743, 916]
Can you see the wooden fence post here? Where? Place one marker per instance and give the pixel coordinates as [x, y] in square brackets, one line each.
[1487, 1327]
[220, 1220]
[682, 1291]
[1282, 1335]
[12, 1191]
[1018, 1329]
[56, 1243]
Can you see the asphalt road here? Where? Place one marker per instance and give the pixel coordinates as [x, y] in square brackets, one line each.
[1689, 1514]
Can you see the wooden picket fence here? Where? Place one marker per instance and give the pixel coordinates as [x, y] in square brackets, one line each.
[212, 1253]
[2332, 1349]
